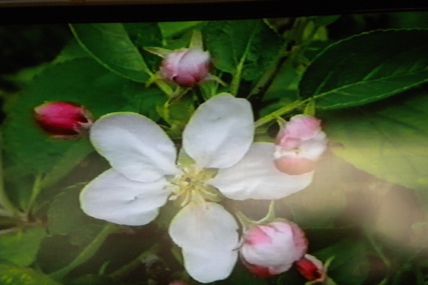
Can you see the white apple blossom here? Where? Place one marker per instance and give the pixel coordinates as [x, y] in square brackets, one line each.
[218, 142]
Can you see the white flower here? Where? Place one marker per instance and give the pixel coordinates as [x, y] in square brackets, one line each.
[145, 172]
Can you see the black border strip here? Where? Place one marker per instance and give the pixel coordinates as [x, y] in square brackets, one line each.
[41, 14]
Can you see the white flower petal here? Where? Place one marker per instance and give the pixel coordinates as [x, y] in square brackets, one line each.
[256, 177]
[205, 227]
[134, 145]
[114, 198]
[207, 267]
[220, 132]
[314, 148]
[208, 235]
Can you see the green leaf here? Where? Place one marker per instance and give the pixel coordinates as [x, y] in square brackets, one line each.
[146, 35]
[81, 81]
[229, 42]
[350, 264]
[66, 218]
[324, 20]
[172, 29]
[56, 252]
[367, 67]
[11, 275]
[386, 140]
[145, 101]
[71, 51]
[24, 76]
[284, 86]
[69, 160]
[111, 46]
[415, 19]
[21, 247]
[177, 113]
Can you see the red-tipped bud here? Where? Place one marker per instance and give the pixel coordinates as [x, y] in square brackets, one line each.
[62, 119]
[311, 269]
[299, 144]
[272, 249]
[186, 68]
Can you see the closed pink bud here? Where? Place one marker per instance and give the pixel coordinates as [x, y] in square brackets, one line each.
[62, 119]
[271, 249]
[311, 269]
[299, 144]
[186, 68]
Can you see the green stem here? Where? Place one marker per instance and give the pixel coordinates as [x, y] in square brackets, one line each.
[160, 83]
[287, 54]
[37, 188]
[142, 258]
[270, 216]
[165, 88]
[234, 86]
[378, 250]
[5, 202]
[280, 112]
[87, 253]
[196, 40]
[236, 81]
[245, 222]
[269, 76]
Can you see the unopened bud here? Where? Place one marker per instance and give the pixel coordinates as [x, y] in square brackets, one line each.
[299, 144]
[311, 269]
[62, 119]
[186, 68]
[272, 249]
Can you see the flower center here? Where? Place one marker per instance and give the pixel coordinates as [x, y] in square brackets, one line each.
[191, 184]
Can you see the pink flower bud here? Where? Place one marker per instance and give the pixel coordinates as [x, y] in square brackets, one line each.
[299, 144]
[272, 249]
[62, 120]
[311, 269]
[187, 67]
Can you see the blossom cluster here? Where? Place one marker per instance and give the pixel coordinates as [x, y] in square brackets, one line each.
[219, 159]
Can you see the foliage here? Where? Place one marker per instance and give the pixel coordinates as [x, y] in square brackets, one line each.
[369, 89]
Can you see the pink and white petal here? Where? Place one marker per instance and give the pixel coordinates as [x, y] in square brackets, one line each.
[282, 250]
[114, 198]
[220, 132]
[314, 148]
[205, 227]
[134, 145]
[205, 266]
[256, 177]
[194, 61]
[169, 67]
